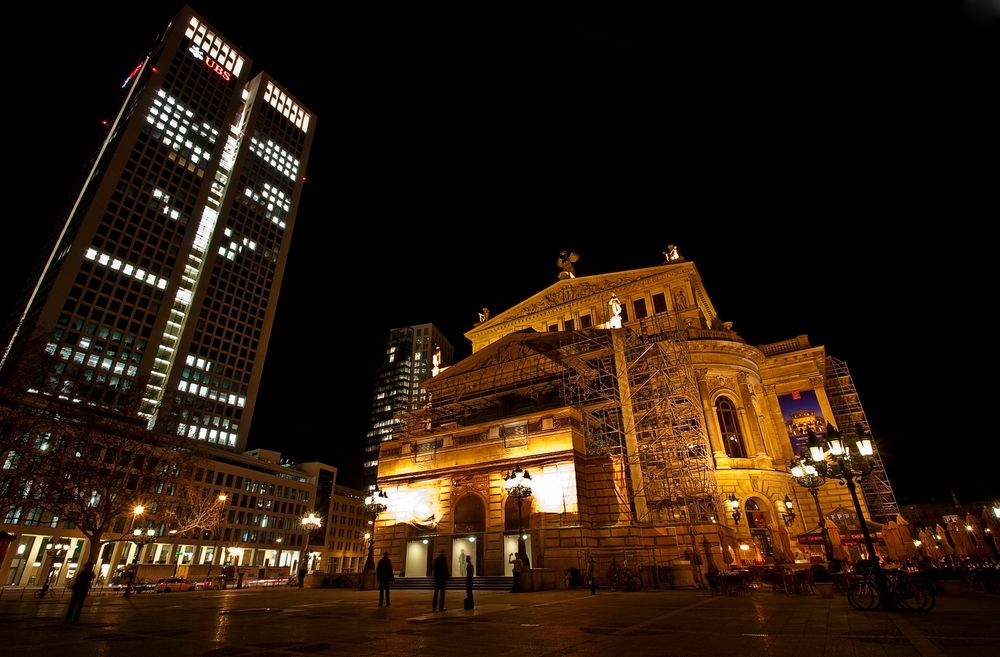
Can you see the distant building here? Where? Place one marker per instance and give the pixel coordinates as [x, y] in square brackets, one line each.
[408, 361]
[346, 547]
[261, 532]
[634, 437]
[158, 294]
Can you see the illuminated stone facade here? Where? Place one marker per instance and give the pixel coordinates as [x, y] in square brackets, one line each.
[633, 437]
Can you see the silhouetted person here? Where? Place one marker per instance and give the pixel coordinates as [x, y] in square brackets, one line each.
[80, 587]
[517, 568]
[591, 580]
[440, 570]
[470, 572]
[384, 574]
[302, 576]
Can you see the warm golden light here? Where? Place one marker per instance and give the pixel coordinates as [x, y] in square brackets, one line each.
[223, 497]
[139, 510]
[312, 521]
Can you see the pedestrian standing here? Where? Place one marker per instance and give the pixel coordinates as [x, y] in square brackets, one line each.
[440, 570]
[384, 574]
[302, 576]
[470, 571]
[591, 581]
[518, 567]
[80, 587]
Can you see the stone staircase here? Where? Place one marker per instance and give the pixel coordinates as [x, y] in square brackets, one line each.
[490, 583]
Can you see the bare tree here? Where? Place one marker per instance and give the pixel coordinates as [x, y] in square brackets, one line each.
[196, 510]
[64, 460]
[17, 450]
[98, 468]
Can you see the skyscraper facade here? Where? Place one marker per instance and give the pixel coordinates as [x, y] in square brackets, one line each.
[409, 359]
[159, 290]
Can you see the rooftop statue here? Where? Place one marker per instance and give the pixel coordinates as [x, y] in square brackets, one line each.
[672, 254]
[565, 262]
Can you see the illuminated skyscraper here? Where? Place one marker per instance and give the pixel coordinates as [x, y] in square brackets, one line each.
[159, 291]
[409, 359]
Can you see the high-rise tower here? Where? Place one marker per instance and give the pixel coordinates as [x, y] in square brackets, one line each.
[159, 291]
[409, 359]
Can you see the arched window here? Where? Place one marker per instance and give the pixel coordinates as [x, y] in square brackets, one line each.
[729, 424]
[470, 515]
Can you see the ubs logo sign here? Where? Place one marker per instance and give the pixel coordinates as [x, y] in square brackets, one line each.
[210, 62]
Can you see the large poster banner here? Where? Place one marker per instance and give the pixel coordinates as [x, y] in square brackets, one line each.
[801, 412]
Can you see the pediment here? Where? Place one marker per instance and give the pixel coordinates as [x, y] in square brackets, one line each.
[571, 290]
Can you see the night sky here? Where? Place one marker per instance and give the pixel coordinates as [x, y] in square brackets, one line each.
[825, 173]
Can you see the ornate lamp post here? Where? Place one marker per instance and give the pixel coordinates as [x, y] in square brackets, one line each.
[309, 523]
[141, 539]
[807, 476]
[835, 460]
[516, 482]
[374, 505]
[734, 504]
[788, 515]
[55, 550]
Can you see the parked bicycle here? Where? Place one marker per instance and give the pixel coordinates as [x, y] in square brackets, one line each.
[625, 578]
[908, 593]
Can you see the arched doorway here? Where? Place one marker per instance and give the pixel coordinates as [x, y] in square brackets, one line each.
[470, 527]
[758, 520]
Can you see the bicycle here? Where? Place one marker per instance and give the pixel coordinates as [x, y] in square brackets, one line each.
[626, 579]
[907, 593]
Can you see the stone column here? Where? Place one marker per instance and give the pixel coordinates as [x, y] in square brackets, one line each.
[631, 443]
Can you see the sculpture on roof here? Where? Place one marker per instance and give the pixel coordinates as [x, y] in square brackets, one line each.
[672, 254]
[484, 315]
[565, 262]
[616, 312]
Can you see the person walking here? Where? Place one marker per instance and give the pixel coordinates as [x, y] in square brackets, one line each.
[591, 581]
[384, 574]
[80, 587]
[440, 570]
[470, 571]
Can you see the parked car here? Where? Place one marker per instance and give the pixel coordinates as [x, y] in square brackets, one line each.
[169, 584]
[216, 582]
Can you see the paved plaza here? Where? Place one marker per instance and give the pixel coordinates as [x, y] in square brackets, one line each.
[286, 622]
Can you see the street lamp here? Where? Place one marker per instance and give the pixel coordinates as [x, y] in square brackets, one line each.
[734, 504]
[788, 516]
[835, 460]
[137, 511]
[515, 483]
[807, 476]
[214, 533]
[140, 538]
[55, 550]
[374, 505]
[309, 523]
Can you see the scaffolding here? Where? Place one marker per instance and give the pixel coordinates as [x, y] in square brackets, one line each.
[636, 392]
[638, 395]
[848, 412]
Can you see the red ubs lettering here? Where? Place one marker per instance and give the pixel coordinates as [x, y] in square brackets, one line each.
[218, 68]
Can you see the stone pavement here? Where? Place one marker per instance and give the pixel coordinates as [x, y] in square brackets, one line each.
[291, 622]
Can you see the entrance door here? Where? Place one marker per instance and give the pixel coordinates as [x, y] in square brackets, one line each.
[460, 548]
[416, 558]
